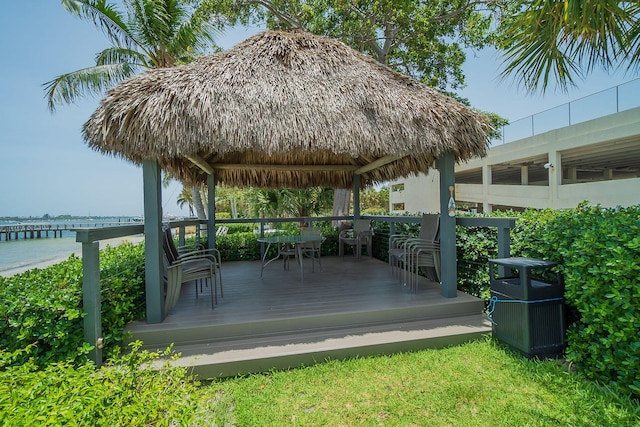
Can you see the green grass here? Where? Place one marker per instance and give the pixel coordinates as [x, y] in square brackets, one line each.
[477, 384]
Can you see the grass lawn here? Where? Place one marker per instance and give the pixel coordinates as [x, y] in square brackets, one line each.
[477, 384]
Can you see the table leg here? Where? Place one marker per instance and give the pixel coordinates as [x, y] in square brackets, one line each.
[300, 264]
[264, 256]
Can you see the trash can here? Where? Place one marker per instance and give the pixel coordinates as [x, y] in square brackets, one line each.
[527, 306]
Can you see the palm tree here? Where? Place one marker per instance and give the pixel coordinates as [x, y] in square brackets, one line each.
[289, 202]
[186, 198]
[564, 39]
[151, 34]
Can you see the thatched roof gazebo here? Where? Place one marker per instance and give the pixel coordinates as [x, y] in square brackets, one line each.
[282, 109]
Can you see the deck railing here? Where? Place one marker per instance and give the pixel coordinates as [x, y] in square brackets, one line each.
[91, 237]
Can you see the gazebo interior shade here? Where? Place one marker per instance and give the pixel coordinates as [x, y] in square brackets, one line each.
[284, 108]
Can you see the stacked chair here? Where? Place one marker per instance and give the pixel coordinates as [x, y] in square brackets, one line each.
[196, 265]
[409, 254]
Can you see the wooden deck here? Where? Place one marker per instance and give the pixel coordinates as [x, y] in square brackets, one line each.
[350, 308]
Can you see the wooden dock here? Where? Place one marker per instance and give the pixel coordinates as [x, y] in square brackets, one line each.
[33, 230]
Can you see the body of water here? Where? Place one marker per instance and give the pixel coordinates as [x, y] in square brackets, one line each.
[23, 254]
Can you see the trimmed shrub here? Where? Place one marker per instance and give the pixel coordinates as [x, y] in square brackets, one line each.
[128, 391]
[475, 246]
[242, 228]
[241, 246]
[244, 246]
[42, 308]
[599, 253]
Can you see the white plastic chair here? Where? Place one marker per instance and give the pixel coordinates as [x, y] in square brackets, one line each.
[360, 235]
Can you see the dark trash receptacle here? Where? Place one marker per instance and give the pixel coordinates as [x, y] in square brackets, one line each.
[527, 306]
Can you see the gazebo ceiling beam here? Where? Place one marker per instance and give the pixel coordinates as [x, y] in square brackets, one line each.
[201, 163]
[302, 168]
[358, 170]
[378, 163]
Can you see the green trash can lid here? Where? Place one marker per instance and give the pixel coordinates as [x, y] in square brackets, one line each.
[523, 262]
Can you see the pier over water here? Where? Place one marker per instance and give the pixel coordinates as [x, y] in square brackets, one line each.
[41, 230]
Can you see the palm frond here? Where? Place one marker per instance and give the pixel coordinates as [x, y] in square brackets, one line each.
[630, 44]
[105, 17]
[67, 88]
[561, 39]
[150, 22]
[117, 55]
[194, 35]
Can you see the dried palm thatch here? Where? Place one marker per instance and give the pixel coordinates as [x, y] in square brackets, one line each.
[284, 109]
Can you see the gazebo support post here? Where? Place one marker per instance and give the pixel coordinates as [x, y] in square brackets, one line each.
[356, 197]
[448, 264]
[211, 205]
[154, 282]
[91, 301]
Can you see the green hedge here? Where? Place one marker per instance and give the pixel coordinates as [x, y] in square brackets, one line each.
[126, 392]
[242, 228]
[244, 245]
[42, 308]
[475, 246]
[599, 253]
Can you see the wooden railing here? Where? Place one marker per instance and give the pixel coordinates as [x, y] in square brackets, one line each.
[91, 301]
[91, 237]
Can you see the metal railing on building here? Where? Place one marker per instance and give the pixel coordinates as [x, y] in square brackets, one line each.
[609, 101]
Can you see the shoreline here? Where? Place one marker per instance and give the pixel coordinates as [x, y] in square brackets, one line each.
[48, 263]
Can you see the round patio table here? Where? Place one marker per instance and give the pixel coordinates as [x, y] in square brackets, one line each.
[288, 245]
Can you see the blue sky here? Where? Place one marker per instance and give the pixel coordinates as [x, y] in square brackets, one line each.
[45, 166]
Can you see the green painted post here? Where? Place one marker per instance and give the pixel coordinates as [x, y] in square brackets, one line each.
[154, 284]
[504, 242]
[91, 302]
[211, 223]
[504, 247]
[181, 235]
[448, 267]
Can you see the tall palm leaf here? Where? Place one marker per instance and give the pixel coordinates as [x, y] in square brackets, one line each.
[151, 34]
[186, 198]
[548, 39]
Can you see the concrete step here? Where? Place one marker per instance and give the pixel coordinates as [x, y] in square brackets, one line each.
[154, 335]
[263, 352]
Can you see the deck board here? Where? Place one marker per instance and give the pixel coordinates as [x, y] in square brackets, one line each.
[345, 285]
[350, 308]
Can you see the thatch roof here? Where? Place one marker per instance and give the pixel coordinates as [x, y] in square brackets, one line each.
[284, 109]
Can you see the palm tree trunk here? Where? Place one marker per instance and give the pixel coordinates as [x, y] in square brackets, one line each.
[341, 200]
[197, 203]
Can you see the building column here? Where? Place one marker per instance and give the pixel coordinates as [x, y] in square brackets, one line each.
[486, 184]
[555, 178]
[524, 175]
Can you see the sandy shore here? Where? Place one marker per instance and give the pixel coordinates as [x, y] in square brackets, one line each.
[78, 252]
